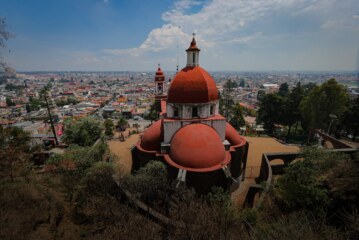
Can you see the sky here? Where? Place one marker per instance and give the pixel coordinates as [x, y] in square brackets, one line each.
[233, 35]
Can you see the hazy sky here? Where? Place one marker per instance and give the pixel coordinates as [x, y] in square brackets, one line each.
[238, 35]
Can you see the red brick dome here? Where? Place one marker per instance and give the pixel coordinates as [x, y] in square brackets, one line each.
[152, 137]
[192, 85]
[197, 146]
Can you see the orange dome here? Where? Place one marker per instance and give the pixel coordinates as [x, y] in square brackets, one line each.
[152, 137]
[233, 136]
[192, 85]
[197, 146]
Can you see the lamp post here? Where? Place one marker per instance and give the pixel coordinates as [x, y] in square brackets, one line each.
[332, 118]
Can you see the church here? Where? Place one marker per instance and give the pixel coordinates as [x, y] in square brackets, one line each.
[197, 145]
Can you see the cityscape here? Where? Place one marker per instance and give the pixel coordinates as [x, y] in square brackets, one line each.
[178, 126]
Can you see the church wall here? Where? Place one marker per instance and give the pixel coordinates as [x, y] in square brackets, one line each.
[220, 126]
[169, 128]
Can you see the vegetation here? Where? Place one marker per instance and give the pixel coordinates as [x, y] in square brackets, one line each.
[237, 119]
[316, 198]
[9, 102]
[270, 110]
[12, 87]
[67, 101]
[109, 127]
[122, 124]
[152, 115]
[349, 120]
[84, 132]
[14, 146]
[307, 107]
[322, 101]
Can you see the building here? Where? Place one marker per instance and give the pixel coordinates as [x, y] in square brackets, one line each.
[198, 146]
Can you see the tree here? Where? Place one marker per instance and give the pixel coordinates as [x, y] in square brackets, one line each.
[260, 94]
[9, 102]
[84, 132]
[44, 94]
[122, 123]
[270, 111]
[152, 115]
[150, 183]
[328, 99]
[350, 118]
[242, 83]
[14, 142]
[291, 113]
[236, 118]
[109, 126]
[283, 89]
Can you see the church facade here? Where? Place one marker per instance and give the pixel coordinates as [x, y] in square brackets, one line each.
[198, 146]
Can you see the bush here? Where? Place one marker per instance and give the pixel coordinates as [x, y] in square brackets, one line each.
[308, 184]
[149, 183]
[98, 179]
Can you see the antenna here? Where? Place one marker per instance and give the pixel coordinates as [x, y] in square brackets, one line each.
[177, 56]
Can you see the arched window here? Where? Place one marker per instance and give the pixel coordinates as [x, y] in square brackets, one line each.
[194, 58]
[194, 112]
[175, 112]
[211, 110]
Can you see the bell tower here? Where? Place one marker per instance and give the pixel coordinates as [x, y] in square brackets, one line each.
[159, 88]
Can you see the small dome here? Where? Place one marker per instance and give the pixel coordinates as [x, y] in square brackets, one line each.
[159, 72]
[193, 46]
[197, 146]
[152, 137]
[233, 136]
[192, 85]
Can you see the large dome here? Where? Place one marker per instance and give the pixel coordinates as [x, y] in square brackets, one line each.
[197, 146]
[192, 85]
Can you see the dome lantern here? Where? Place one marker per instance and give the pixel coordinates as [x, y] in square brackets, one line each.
[193, 53]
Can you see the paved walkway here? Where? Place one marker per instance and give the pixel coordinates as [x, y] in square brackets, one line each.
[260, 145]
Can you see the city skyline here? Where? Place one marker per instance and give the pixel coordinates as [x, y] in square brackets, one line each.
[109, 35]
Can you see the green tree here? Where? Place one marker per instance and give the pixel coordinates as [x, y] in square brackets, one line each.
[291, 113]
[84, 132]
[350, 118]
[236, 117]
[270, 111]
[109, 127]
[152, 115]
[242, 83]
[14, 143]
[260, 94]
[329, 98]
[150, 183]
[283, 89]
[122, 124]
[9, 102]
